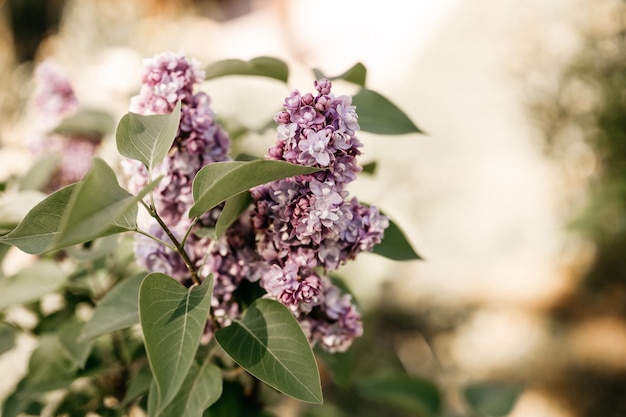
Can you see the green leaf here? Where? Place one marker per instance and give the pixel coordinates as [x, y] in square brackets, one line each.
[248, 157]
[96, 203]
[99, 207]
[38, 176]
[370, 168]
[118, 309]
[329, 410]
[379, 115]
[202, 388]
[395, 245]
[40, 226]
[235, 402]
[17, 402]
[147, 139]
[233, 208]
[78, 213]
[220, 181]
[7, 337]
[492, 398]
[172, 318]
[49, 366]
[4, 249]
[31, 283]
[139, 385]
[153, 400]
[260, 66]
[95, 250]
[340, 365]
[268, 343]
[87, 122]
[77, 350]
[413, 394]
[355, 74]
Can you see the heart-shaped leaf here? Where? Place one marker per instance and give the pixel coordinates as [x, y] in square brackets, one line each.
[118, 309]
[379, 115]
[220, 181]
[147, 139]
[31, 283]
[172, 318]
[268, 343]
[261, 66]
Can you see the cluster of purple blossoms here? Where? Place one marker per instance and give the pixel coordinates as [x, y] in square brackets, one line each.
[297, 229]
[54, 96]
[307, 225]
[167, 79]
[55, 99]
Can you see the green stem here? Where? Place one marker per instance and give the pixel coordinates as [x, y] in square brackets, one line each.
[177, 246]
[156, 239]
[188, 232]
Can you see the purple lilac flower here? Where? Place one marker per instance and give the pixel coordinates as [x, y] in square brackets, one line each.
[335, 322]
[319, 131]
[54, 95]
[232, 259]
[168, 78]
[54, 99]
[295, 283]
[307, 224]
[313, 211]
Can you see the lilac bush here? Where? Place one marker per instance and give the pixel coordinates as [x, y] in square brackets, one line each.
[298, 228]
[230, 277]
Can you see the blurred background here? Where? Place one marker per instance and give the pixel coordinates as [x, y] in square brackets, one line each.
[515, 196]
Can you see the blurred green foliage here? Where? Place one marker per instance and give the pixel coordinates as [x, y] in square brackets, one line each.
[583, 119]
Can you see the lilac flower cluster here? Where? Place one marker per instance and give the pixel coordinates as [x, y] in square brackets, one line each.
[54, 99]
[306, 225]
[167, 79]
[296, 230]
[313, 212]
[54, 95]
